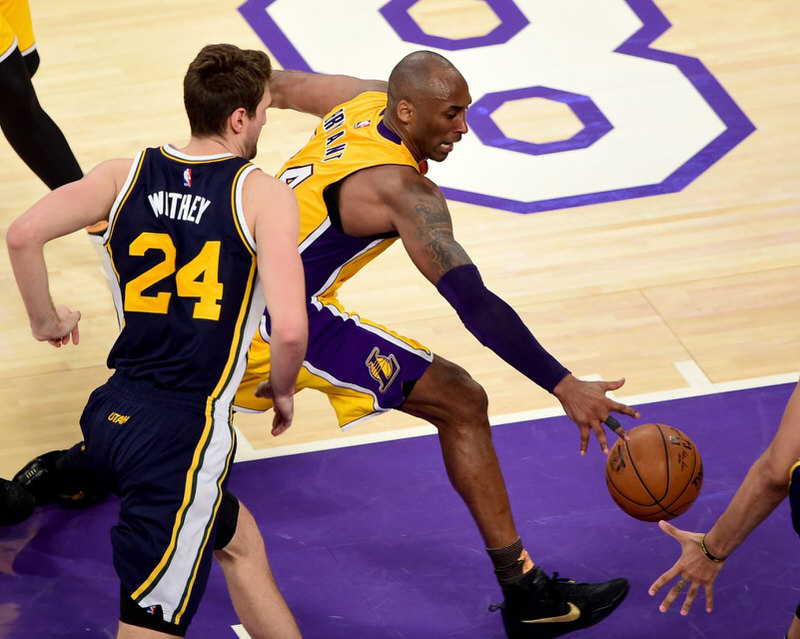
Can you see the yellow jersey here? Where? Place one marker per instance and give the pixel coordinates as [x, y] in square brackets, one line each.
[350, 138]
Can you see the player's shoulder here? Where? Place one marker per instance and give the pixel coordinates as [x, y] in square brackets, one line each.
[398, 180]
[111, 173]
[371, 97]
[261, 180]
[115, 166]
[260, 186]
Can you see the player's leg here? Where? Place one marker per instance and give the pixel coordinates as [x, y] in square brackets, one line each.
[365, 369]
[447, 397]
[240, 552]
[452, 401]
[31, 132]
[169, 496]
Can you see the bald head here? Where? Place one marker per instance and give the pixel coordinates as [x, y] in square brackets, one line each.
[422, 75]
[427, 104]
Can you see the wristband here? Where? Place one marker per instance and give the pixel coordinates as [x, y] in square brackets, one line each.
[716, 560]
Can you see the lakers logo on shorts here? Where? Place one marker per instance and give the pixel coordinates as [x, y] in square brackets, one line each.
[382, 368]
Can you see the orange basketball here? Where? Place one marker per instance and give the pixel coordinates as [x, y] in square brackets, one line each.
[656, 475]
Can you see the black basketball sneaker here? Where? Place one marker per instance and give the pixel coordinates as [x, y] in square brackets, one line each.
[16, 503]
[58, 476]
[542, 607]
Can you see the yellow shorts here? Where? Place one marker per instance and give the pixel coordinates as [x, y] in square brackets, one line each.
[362, 367]
[16, 27]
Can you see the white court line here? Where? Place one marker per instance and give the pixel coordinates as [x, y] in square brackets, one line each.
[698, 384]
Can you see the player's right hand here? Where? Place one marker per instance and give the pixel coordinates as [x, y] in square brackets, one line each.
[693, 568]
[60, 330]
[586, 404]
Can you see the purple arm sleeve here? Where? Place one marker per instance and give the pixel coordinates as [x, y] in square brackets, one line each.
[497, 326]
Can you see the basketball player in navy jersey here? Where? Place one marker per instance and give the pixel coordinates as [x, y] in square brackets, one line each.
[198, 239]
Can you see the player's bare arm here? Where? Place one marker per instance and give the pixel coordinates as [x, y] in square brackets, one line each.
[276, 227]
[397, 199]
[423, 221]
[764, 487]
[412, 205]
[69, 208]
[316, 93]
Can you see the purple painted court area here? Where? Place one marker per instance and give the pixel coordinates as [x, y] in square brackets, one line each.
[370, 542]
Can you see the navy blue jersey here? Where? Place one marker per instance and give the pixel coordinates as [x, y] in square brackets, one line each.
[187, 292]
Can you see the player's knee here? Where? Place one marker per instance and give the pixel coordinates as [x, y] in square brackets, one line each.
[468, 399]
[228, 517]
[17, 96]
[477, 401]
[245, 543]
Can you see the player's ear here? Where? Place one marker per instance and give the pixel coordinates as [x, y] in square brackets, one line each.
[405, 111]
[237, 119]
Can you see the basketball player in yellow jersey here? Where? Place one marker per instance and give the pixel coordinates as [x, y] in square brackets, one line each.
[30, 131]
[360, 184]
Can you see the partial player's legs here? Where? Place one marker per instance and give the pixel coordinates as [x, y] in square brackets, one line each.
[447, 397]
[169, 496]
[535, 605]
[29, 130]
[255, 596]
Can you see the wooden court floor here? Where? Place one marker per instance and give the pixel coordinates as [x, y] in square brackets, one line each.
[692, 288]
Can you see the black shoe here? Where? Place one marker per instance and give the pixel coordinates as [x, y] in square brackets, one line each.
[541, 607]
[55, 477]
[38, 477]
[16, 503]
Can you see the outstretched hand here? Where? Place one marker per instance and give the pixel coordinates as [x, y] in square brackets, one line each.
[586, 404]
[692, 568]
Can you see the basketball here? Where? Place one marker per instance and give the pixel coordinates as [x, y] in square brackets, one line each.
[656, 475]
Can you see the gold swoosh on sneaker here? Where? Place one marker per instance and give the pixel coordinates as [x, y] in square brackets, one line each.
[573, 615]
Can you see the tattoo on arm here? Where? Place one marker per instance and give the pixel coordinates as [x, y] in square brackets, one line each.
[435, 231]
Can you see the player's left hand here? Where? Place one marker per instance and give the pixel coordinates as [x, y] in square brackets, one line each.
[586, 404]
[693, 568]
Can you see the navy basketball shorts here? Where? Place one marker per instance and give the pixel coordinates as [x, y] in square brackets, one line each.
[167, 455]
